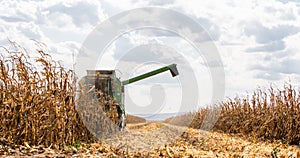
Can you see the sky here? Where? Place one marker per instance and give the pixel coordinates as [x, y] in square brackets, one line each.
[258, 42]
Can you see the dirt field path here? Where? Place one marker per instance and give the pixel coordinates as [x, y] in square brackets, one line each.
[157, 139]
[145, 137]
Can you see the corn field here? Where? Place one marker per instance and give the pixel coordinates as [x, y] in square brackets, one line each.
[40, 105]
[273, 114]
[37, 103]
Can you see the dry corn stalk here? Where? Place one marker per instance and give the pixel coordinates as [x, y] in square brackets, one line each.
[272, 114]
[37, 102]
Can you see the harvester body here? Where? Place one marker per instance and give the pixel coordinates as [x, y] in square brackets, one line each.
[107, 82]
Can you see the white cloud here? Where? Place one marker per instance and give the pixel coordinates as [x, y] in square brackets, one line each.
[81, 12]
[273, 46]
[263, 34]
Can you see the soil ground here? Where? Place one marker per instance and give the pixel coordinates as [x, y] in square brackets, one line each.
[156, 139]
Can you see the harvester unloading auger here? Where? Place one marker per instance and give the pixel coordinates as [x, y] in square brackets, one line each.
[107, 82]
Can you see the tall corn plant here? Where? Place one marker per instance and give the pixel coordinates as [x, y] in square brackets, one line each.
[273, 114]
[37, 102]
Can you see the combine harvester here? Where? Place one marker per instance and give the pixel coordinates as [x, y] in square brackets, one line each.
[106, 82]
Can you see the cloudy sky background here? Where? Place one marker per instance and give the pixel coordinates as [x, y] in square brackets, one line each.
[257, 40]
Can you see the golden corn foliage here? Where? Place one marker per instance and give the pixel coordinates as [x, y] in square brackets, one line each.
[37, 102]
[272, 114]
[101, 121]
[134, 119]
